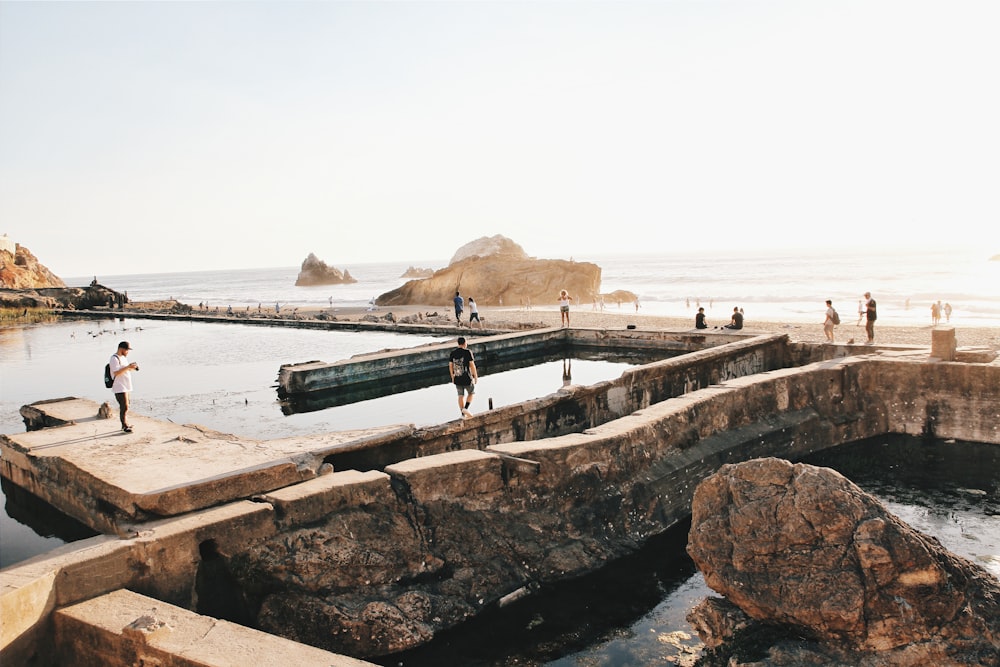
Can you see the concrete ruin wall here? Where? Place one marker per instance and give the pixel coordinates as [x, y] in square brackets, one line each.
[315, 376]
[574, 409]
[383, 560]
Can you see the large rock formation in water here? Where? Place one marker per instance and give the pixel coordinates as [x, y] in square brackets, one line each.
[315, 271]
[22, 270]
[804, 548]
[495, 270]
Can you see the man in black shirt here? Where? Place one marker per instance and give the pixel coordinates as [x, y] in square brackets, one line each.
[737, 320]
[462, 367]
[870, 316]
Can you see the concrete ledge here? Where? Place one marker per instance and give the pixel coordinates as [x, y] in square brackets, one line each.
[125, 629]
[461, 474]
[105, 478]
[314, 499]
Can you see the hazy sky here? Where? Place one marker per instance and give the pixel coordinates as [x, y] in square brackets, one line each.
[142, 137]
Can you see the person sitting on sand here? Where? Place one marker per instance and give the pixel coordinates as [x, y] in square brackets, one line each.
[737, 320]
[699, 320]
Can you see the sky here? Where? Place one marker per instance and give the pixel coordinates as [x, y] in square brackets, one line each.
[144, 137]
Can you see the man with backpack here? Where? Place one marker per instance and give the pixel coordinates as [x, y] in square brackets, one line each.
[121, 374]
[462, 367]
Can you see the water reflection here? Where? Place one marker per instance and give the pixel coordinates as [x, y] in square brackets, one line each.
[595, 366]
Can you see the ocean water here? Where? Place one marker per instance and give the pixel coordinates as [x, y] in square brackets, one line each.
[783, 286]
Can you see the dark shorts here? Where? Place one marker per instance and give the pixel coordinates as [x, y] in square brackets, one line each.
[463, 389]
[564, 309]
[474, 316]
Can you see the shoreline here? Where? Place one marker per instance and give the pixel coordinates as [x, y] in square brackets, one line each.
[508, 317]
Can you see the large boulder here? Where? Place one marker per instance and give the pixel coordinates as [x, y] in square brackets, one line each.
[489, 246]
[22, 270]
[315, 271]
[503, 275]
[799, 546]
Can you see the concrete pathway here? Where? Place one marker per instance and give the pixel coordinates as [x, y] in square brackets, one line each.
[88, 468]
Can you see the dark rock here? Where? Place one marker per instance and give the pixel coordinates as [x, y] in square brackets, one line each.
[77, 298]
[803, 547]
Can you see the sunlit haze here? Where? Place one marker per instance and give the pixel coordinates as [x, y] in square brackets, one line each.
[171, 136]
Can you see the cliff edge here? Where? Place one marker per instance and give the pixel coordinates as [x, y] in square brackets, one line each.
[22, 270]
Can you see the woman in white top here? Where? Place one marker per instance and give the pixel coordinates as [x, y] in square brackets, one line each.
[564, 299]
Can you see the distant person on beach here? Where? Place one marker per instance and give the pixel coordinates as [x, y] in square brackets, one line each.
[736, 322]
[936, 313]
[564, 299]
[459, 307]
[474, 313]
[947, 312]
[462, 367]
[699, 320]
[828, 322]
[122, 387]
[870, 316]
[861, 312]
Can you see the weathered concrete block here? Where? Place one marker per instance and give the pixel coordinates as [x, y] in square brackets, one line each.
[316, 498]
[943, 343]
[454, 475]
[123, 628]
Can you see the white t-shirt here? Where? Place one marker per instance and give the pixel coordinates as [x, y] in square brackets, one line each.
[123, 382]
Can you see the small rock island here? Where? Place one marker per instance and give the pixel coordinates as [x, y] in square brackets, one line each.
[315, 271]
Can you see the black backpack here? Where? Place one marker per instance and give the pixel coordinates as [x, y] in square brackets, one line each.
[108, 380]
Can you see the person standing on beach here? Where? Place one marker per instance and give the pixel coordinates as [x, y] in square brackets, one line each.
[462, 367]
[936, 313]
[947, 312]
[474, 313]
[564, 299]
[459, 307]
[861, 312]
[828, 322]
[122, 387]
[870, 316]
[699, 320]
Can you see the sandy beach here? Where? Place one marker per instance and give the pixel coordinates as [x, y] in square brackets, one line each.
[516, 318]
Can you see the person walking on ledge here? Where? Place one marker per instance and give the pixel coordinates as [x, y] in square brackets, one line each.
[462, 367]
[122, 387]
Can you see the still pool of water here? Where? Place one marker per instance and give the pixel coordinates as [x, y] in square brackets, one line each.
[223, 376]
